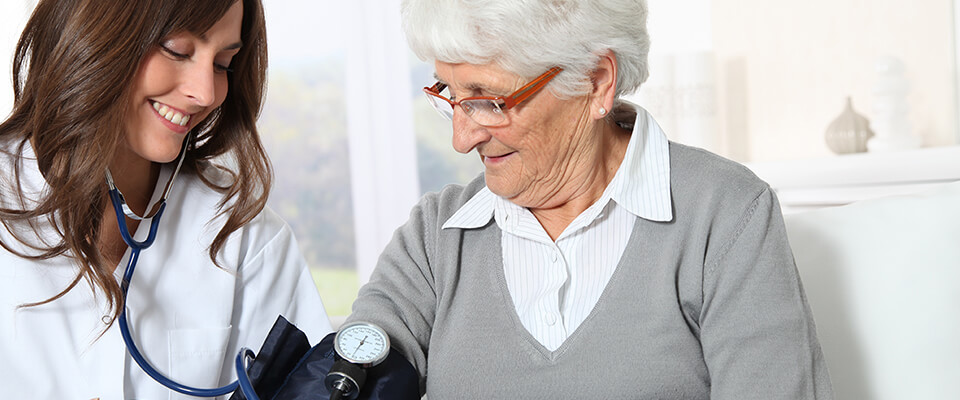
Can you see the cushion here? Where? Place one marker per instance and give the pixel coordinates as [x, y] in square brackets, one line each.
[882, 278]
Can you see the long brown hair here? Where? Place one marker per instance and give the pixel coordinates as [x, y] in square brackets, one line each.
[73, 74]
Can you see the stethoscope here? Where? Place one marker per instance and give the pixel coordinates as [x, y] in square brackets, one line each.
[122, 210]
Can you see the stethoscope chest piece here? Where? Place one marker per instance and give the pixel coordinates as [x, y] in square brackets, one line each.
[359, 345]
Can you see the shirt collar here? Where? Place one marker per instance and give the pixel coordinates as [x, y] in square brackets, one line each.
[475, 213]
[644, 174]
[641, 184]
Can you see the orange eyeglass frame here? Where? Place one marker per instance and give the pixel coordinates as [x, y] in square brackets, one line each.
[510, 101]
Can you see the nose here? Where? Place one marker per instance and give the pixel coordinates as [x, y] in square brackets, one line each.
[199, 83]
[467, 133]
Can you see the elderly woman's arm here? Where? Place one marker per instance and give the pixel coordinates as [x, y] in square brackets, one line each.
[401, 294]
[758, 336]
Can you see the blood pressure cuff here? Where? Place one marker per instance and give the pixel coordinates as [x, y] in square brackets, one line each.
[286, 367]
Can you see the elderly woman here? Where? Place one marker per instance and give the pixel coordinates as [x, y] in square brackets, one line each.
[593, 258]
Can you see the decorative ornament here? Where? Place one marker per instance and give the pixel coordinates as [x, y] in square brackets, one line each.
[849, 132]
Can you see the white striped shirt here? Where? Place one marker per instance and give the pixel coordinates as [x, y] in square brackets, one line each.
[556, 284]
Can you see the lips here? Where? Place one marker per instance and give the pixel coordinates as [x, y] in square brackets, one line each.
[495, 159]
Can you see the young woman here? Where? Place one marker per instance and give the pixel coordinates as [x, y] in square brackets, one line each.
[158, 99]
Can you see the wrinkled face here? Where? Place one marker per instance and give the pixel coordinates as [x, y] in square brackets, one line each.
[530, 158]
[179, 83]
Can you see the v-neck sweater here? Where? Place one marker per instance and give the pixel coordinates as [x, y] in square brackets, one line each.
[708, 305]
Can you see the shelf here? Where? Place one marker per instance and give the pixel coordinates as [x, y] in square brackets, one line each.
[839, 180]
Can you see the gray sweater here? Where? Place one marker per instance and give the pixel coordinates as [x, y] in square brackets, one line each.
[707, 306]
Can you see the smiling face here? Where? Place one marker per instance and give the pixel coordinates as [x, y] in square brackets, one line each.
[543, 156]
[179, 83]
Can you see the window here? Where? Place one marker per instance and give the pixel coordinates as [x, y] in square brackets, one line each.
[304, 129]
[339, 125]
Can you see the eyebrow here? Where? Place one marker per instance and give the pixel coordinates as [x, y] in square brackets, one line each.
[470, 86]
[234, 46]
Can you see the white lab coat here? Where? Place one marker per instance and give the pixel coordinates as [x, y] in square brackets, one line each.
[188, 317]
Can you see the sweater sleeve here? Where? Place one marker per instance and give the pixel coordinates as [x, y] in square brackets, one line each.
[401, 295]
[757, 332]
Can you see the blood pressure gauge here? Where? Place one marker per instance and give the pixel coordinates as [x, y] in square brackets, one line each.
[359, 345]
[362, 343]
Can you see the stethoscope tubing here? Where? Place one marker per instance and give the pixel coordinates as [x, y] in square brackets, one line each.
[243, 381]
[242, 378]
[125, 232]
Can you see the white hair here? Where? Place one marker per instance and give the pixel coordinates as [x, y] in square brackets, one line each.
[528, 37]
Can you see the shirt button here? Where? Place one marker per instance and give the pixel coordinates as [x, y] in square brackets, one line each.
[555, 257]
[551, 319]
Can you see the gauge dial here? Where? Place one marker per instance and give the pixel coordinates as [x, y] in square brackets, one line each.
[362, 343]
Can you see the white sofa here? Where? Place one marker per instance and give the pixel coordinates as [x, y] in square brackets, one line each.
[882, 277]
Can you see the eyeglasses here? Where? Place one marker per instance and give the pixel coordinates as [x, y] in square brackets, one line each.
[487, 110]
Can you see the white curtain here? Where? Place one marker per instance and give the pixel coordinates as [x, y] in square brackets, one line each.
[383, 165]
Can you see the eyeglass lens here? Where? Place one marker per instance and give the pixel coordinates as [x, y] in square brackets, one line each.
[482, 111]
[445, 109]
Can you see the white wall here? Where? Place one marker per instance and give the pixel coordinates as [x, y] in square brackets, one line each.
[13, 15]
[681, 91]
[785, 69]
